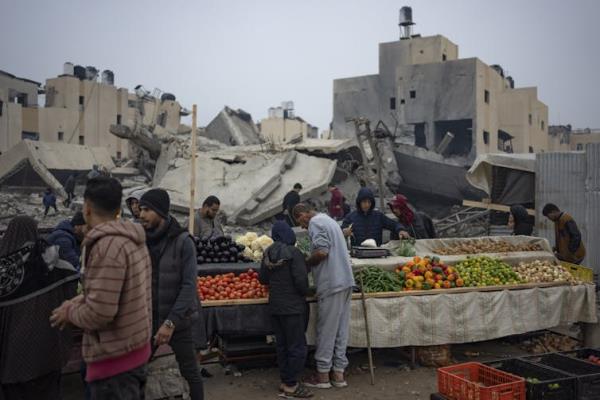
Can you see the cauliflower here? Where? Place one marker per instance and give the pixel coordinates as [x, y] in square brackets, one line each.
[255, 246]
[248, 253]
[264, 242]
[258, 255]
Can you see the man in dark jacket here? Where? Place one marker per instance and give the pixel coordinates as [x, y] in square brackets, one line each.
[70, 189]
[49, 200]
[284, 270]
[68, 236]
[569, 245]
[289, 202]
[367, 223]
[175, 301]
[418, 225]
[520, 221]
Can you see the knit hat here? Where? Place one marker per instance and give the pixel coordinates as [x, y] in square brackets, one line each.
[78, 219]
[158, 201]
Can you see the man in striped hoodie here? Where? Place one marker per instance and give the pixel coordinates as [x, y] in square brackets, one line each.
[115, 309]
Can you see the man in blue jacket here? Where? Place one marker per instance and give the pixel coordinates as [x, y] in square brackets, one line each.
[68, 236]
[49, 200]
[368, 223]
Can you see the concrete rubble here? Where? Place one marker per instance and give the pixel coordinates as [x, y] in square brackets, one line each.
[42, 164]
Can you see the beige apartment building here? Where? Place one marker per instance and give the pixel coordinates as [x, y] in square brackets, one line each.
[282, 126]
[564, 138]
[79, 109]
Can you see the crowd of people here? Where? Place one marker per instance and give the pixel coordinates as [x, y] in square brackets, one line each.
[138, 275]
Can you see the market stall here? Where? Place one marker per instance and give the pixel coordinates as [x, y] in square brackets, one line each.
[457, 308]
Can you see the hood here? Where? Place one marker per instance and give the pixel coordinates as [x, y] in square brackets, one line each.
[135, 195]
[277, 254]
[363, 194]
[519, 213]
[127, 229]
[65, 226]
[281, 232]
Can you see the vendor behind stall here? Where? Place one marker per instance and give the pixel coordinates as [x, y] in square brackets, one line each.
[569, 245]
[367, 223]
[206, 225]
[418, 225]
[520, 221]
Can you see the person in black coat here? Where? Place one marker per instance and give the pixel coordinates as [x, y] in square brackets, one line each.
[368, 223]
[520, 220]
[34, 283]
[289, 202]
[284, 270]
[418, 225]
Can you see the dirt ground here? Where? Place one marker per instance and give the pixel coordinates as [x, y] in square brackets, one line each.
[394, 379]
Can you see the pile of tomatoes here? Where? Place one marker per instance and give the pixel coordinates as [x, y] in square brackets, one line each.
[229, 287]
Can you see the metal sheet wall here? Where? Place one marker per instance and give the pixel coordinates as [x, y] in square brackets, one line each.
[572, 182]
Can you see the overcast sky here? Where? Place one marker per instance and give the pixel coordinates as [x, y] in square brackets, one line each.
[255, 54]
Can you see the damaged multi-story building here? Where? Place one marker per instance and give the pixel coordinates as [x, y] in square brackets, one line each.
[443, 110]
[80, 106]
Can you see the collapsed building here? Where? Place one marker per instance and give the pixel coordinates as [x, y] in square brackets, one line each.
[443, 111]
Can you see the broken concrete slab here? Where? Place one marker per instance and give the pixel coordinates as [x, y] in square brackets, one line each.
[233, 127]
[250, 184]
[44, 164]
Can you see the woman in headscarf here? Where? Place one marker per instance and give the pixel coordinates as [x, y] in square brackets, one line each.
[520, 220]
[284, 270]
[33, 281]
[418, 225]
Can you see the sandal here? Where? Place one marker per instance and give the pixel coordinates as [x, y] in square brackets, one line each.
[313, 381]
[301, 392]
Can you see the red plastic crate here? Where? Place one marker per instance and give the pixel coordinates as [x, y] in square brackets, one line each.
[475, 381]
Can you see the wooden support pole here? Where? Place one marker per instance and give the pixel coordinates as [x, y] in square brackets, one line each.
[193, 171]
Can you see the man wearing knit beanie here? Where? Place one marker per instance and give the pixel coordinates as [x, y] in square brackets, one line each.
[175, 303]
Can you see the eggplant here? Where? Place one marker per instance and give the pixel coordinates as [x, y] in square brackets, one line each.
[225, 253]
[200, 260]
[203, 253]
[208, 260]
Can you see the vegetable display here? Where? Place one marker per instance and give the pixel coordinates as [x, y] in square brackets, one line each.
[477, 246]
[376, 280]
[229, 286]
[486, 271]
[303, 244]
[406, 248]
[428, 273]
[219, 250]
[543, 271]
[254, 245]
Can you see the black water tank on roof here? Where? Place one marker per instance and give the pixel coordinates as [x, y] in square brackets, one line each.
[167, 96]
[79, 72]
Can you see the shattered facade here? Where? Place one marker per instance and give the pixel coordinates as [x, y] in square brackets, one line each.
[423, 91]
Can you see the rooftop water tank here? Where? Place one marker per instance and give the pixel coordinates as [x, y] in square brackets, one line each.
[68, 68]
[79, 72]
[108, 77]
[91, 73]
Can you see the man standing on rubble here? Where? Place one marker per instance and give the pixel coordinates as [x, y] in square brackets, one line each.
[569, 245]
[49, 200]
[332, 273]
[206, 224]
[70, 189]
[289, 202]
[175, 303]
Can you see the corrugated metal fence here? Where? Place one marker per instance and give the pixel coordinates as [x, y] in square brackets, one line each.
[572, 182]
